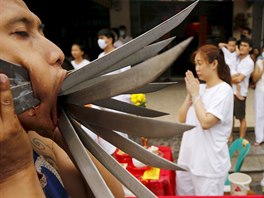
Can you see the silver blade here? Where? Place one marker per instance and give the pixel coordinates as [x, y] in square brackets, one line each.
[152, 87]
[113, 166]
[23, 97]
[140, 55]
[99, 65]
[135, 58]
[128, 108]
[16, 73]
[132, 125]
[20, 86]
[139, 75]
[133, 149]
[84, 162]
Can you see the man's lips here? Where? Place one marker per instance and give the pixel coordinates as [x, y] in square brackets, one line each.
[54, 107]
[49, 102]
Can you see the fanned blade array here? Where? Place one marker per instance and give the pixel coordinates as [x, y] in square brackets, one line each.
[90, 85]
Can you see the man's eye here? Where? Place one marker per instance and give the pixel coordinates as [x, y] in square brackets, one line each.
[22, 33]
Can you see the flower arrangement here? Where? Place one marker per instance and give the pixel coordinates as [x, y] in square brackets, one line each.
[138, 99]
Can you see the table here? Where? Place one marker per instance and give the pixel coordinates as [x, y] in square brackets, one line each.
[164, 185]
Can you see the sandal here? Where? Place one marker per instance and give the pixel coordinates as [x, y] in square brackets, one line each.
[256, 144]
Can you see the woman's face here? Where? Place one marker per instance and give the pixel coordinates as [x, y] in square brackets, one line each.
[202, 67]
[76, 52]
[22, 42]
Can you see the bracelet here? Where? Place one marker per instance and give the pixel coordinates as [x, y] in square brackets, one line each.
[195, 99]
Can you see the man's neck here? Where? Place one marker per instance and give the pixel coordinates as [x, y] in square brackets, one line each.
[109, 49]
[242, 56]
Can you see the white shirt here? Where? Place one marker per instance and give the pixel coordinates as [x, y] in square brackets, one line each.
[231, 59]
[126, 39]
[260, 83]
[79, 65]
[245, 67]
[205, 152]
[118, 43]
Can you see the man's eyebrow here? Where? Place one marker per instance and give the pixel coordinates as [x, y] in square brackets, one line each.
[25, 21]
[20, 20]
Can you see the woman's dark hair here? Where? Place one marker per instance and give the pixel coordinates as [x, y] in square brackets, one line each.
[107, 32]
[211, 53]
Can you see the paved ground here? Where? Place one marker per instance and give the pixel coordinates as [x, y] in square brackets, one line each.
[169, 100]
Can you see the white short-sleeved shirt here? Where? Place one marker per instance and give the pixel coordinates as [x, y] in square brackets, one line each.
[231, 59]
[260, 83]
[205, 152]
[79, 65]
[245, 67]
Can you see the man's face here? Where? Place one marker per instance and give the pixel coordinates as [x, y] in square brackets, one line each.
[23, 42]
[245, 33]
[244, 48]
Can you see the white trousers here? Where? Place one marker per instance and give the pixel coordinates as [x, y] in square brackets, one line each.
[189, 184]
[259, 116]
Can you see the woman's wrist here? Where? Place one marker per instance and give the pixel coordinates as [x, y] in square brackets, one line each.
[188, 100]
[195, 99]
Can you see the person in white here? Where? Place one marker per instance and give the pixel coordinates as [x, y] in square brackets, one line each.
[77, 52]
[258, 77]
[118, 42]
[124, 37]
[208, 107]
[231, 53]
[245, 68]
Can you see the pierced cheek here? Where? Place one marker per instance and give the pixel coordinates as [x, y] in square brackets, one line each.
[32, 112]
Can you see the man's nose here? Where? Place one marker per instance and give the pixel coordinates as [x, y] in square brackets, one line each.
[55, 56]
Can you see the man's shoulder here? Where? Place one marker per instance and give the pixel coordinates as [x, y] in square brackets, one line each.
[247, 61]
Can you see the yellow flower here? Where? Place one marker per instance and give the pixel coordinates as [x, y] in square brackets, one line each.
[138, 99]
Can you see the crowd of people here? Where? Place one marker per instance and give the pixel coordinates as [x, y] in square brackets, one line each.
[212, 107]
[32, 149]
[246, 67]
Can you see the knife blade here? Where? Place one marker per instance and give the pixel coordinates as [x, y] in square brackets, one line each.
[113, 166]
[126, 123]
[97, 66]
[140, 55]
[128, 108]
[133, 149]
[82, 159]
[111, 85]
[151, 87]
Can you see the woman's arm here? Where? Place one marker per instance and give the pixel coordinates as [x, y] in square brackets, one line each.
[257, 73]
[184, 108]
[207, 120]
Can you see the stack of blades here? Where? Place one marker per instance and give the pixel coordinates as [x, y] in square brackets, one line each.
[90, 85]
